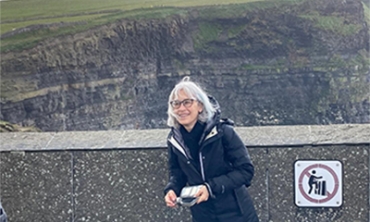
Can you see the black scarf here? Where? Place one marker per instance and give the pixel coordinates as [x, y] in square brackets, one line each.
[191, 139]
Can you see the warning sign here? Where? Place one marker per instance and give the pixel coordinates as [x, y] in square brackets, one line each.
[318, 183]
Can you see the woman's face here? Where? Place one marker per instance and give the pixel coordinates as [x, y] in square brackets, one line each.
[188, 111]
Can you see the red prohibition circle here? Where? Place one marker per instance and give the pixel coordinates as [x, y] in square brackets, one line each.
[305, 172]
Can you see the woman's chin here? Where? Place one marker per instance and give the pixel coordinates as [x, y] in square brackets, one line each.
[183, 123]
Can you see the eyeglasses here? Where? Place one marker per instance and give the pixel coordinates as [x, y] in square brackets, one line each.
[186, 102]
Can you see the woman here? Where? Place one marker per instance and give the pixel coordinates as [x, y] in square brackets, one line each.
[205, 150]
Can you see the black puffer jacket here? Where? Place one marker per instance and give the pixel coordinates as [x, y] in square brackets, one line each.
[226, 168]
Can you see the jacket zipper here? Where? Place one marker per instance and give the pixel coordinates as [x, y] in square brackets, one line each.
[202, 174]
[213, 133]
[187, 158]
[201, 166]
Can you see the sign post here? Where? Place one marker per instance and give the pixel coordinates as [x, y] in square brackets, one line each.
[318, 183]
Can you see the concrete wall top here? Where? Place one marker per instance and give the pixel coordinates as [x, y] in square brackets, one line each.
[156, 138]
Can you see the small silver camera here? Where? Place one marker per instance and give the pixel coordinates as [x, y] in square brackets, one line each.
[187, 196]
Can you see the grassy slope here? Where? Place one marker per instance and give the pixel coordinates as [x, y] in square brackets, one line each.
[24, 9]
[17, 14]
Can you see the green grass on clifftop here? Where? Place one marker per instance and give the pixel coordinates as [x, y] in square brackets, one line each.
[68, 16]
[334, 24]
[26, 9]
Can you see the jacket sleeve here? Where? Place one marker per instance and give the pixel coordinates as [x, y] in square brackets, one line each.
[237, 154]
[177, 178]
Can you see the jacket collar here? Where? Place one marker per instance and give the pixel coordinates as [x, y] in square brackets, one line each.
[177, 141]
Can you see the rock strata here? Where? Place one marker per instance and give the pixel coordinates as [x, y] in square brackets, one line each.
[269, 66]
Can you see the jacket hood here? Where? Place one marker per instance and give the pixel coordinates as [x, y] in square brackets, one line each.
[215, 104]
[217, 116]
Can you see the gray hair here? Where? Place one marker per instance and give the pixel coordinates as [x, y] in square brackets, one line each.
[195, 92]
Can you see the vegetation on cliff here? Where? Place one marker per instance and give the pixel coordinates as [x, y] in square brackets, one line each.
[6, 127]
[25, 23]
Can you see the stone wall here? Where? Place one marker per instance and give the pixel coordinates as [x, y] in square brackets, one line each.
[119, 175]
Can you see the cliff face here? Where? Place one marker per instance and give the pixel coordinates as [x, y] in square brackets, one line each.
[295, 64]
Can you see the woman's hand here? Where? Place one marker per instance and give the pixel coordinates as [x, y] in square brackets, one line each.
[202, 194]
[170, 199]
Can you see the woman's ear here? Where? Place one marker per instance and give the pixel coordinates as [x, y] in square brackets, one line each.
[200, 108]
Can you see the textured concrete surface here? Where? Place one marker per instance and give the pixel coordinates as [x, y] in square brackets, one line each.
[119, 175]
[259, 188]
[355, 207]
[252, 136]
[36, 186]
[121, 186]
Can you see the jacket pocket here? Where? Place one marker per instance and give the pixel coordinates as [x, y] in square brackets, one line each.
[241, 195]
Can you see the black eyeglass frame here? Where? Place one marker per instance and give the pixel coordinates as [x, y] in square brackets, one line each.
[177, 104]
